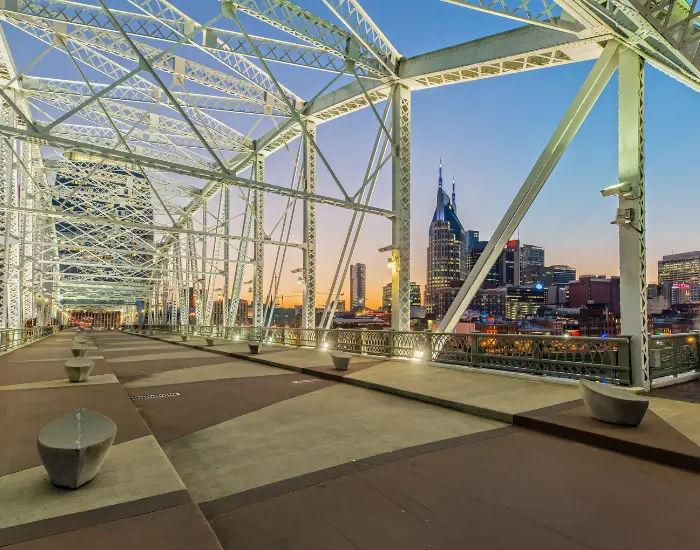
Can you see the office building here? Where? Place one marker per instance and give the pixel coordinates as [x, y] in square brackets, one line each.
[447, 253]
[523, 301]
[490, 302]
[358, 274]
[557, 295]
[508, 264]
[559, 275]
[598, 290]
[531, 256]
[386, 296]
[493, 278]
[680, 268]
[695, 294]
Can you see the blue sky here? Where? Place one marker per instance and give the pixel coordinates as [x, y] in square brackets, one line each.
[489, 134]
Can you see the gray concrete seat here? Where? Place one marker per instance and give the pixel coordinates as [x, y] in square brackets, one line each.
[613, 405]
[210, 340]
[254, 347]
[78, 368]
[79, 350]
[341, 361]
[73, 447]
[185, 337]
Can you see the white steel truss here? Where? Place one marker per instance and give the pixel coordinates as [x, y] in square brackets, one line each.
[128, 183]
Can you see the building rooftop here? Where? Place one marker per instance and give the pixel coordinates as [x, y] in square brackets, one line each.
[681, 256]
[219, 449]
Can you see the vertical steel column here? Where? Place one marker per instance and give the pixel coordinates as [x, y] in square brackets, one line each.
[11, 249]
[308, 317]
[226, 320]
[242, 259]
[401, 205]
[631, 216]
[259, 212]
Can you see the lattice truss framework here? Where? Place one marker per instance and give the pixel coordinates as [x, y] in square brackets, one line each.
[121, 184]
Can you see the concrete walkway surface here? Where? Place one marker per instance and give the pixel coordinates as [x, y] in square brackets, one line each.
[219, 449]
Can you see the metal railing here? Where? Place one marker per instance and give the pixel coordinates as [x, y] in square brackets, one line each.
[558, 356]
[11, 338]
[674, 354]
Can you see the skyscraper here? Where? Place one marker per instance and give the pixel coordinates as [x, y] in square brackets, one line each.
[447, 253]
[386, 296]
[509, 264]
[531, 256]
[358, 273]
[680, 268]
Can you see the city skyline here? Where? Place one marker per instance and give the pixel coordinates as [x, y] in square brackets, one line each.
[488, 133]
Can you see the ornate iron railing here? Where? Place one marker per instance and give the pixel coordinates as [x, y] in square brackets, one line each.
[11, 338]
[559, 356]
[674, 354]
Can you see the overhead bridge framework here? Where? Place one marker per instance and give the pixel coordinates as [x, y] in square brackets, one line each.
[127, 185]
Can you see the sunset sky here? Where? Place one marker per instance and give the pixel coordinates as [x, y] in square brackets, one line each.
[489, 134]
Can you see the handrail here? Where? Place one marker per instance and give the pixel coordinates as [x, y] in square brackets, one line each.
[13, 338]
[546, 355]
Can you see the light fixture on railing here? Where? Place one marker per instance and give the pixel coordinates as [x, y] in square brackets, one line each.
[325, 345]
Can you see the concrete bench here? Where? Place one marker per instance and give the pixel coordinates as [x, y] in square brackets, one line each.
[78, 368]
[210, 340]
[613, 405]
[79, 350]
[254, 347]
[341, 361]
[73, 447]
[185, 337]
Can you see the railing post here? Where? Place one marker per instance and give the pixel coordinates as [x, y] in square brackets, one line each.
[429, 345]
[390, 343]
[623, 359]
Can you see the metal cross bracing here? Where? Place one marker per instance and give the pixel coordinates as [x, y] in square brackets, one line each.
[137, 178]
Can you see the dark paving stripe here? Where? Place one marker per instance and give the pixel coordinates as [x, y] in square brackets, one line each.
[203, 404]
[525, 490]
[259, 494]
[42, 361]
[24, 412]
[134, 370]
[687, 391]
[89, 518]
[173, 528]
[654, 439]
[40, 371]
[676, 455]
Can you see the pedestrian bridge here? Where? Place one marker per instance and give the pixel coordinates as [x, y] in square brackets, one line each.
[220, 448]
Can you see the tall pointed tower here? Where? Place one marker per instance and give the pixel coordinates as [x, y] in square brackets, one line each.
[447, 253]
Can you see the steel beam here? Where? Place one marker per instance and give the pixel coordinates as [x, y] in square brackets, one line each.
[401, 204]
[259, 258]
[586, 97]
[631, 214]
[308, 316]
